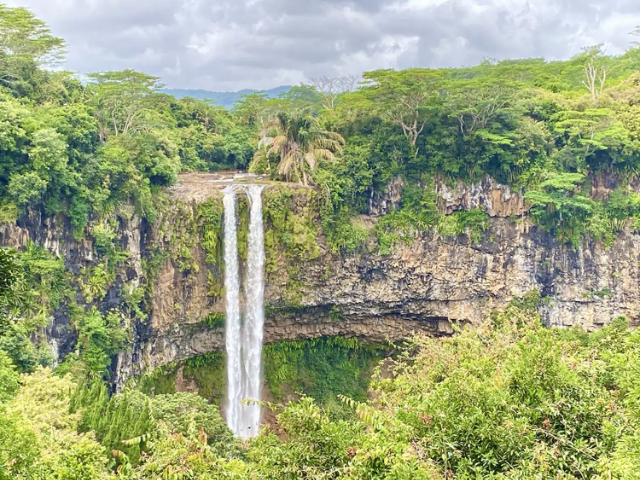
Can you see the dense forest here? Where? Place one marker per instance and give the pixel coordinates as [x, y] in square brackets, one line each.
[548, 127]
[509, 399]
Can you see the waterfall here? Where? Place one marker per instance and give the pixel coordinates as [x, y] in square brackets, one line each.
[233, 326]
[252, 330]
[244, 335]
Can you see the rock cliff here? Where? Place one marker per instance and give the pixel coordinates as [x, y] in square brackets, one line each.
[422, 286]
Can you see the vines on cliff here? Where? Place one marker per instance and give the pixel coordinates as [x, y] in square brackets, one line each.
[291, 227]
[40, 285]
[42, 288]
[291, 235]
[210, 221]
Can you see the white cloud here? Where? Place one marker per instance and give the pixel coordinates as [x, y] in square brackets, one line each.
[233, 44]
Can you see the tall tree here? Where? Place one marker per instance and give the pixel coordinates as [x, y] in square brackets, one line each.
[589, 133]
[332, 87]
[476, 106]
[255, 110]
[119, 99]
[24, 36]
[203, 112]
[407, 98]
[560, 206]
[594, 80]
[25, 42]
[636, 33]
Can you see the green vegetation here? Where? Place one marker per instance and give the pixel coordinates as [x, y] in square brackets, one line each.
[321, 369]
[210, 216]
[35, 285]
[126, 422]
[291, 230]
[102, 144]
[211, 227]
[552, 128]
[183, 225]
[296, 142]
[100, 337]
[215, 321]
[472, 223]
[508, 399]
[159, 382]
[549, 127]
[209, 372]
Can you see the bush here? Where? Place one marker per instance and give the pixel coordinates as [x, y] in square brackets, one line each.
[8, 377]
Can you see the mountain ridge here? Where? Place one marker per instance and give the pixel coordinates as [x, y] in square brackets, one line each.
[223, 99]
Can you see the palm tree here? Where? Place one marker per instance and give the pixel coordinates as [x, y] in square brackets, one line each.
[300, 142]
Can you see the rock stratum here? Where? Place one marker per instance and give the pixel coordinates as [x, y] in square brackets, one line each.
[422, 286]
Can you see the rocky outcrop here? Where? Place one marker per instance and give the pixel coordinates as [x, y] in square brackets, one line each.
[452, 279]
[387, 201]
[495, 199]
[423, 286]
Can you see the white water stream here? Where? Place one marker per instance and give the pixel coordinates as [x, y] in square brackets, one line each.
[233, 327]
[244, 332]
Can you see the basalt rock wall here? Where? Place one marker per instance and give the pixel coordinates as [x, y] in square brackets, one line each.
[422, 286]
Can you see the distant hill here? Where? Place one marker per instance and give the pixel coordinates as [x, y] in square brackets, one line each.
[223, 99]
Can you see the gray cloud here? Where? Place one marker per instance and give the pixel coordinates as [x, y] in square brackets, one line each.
[233, 44]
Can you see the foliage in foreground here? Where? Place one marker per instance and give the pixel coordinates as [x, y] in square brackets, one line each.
[508, 400]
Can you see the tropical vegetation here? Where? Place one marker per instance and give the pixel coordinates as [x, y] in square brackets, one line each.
[509, 399]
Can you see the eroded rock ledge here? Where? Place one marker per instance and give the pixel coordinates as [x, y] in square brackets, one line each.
[181, 342]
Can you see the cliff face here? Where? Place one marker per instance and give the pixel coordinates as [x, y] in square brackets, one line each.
[422, 286]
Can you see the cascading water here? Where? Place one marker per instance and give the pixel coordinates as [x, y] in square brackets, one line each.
[244, 335]
[253, 327]
[233, 326]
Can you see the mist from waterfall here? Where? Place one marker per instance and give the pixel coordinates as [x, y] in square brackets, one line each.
[244, 334]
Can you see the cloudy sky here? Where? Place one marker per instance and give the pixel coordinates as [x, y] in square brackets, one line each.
[234, 44]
